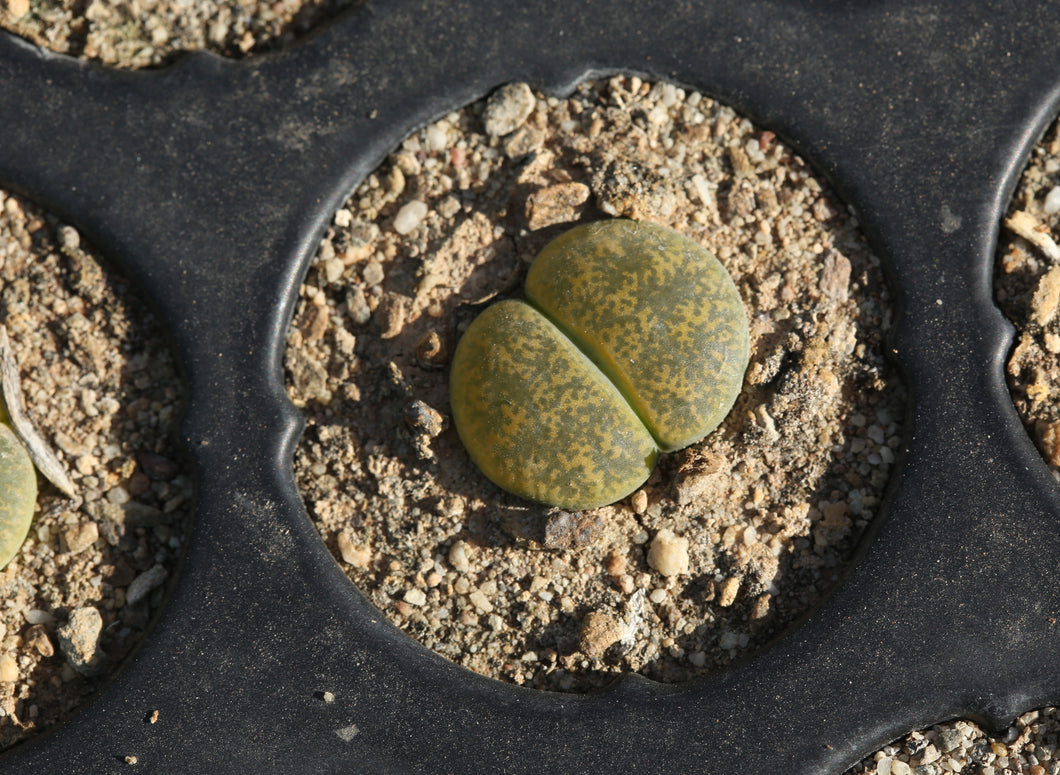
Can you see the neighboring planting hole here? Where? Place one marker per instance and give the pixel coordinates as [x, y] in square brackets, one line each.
[130, 35]
[1027, 288]
[100, 386]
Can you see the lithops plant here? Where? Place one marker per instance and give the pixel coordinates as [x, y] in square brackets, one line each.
[22, 453]
[632, 341]
[18, 493]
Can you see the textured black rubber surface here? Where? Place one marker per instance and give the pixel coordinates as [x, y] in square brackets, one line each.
[209, 183]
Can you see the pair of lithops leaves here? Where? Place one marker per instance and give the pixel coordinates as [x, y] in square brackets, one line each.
[632, 341]
[22, 452]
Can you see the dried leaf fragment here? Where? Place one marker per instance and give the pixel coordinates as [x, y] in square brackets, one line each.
[1025, 225]
[39, 451]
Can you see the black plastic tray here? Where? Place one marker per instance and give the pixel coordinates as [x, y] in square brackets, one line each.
[209, 183]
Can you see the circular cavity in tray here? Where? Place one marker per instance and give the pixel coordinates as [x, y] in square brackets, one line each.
[100, 386]
[770, 506]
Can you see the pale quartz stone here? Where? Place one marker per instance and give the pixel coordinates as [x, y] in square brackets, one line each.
[458, 557]
[415, 597]
[668, 553]
[409, 217]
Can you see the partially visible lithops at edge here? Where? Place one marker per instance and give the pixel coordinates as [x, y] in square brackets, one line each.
[18, 494]
[21, 448]
[632, 341]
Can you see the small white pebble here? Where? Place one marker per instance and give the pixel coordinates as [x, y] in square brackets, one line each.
[657, 115]
[409, 217]
[507, 109]
[703, 190]
[373, 273]
[437, 138]
[117, 496]
[346, 734]
[458, 557]
[415, 597]
[1052, 201]
[333, 270]
[668, 553]
[657, 595]
[480, 601]
[729, 640]
[69, 239]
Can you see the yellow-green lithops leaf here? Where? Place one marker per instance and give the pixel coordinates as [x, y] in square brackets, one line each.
[633, 339]
[657, 312]
[18, 494]
[538, 417]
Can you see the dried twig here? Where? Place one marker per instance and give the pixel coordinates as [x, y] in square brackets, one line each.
[39, 451]
[1025, 225]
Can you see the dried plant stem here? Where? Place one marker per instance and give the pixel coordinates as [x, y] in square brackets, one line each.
[1026, 225]
[39, 451]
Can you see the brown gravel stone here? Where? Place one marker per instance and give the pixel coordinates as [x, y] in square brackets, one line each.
[1046, 297]
[1049, 441]
[77, 538]
[36, 637]
[559, 203]
[599, 631]
[727, 591]
[357, 556]
[79, 641]
[835, 276]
